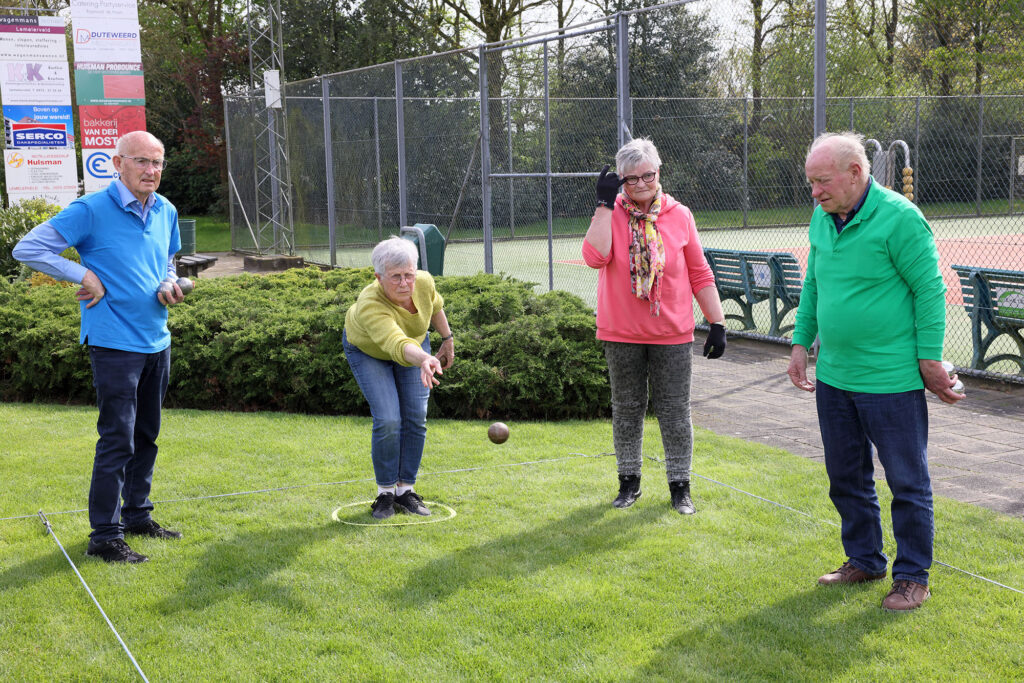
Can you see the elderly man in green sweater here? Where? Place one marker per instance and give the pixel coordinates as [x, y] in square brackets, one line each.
[874, 296]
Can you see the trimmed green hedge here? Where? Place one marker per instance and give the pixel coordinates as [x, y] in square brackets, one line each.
[273, 342]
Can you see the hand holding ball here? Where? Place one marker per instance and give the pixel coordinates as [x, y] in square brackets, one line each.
[498, 432]
[958, 387]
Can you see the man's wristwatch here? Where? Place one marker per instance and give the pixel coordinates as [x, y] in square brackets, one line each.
[450, 336]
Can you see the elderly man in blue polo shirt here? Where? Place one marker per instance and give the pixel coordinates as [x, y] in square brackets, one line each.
[127, 236]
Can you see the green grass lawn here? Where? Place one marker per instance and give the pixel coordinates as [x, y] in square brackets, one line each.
[213, 233]
[536, 578]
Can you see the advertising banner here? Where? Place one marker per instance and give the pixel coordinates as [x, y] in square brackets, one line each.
[45, 114]
[105, 9]
[101, 127]
[34, 83]
[106, 40]
[98, 168]
[48, 173]
[124, 86]
[32, 39]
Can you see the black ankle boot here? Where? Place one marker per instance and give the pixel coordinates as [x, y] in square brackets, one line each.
[629, 490]
[680, 491]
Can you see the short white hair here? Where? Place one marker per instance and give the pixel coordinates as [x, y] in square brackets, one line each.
[846, 147]
[634, 153]
[393, 252]
[127, 141]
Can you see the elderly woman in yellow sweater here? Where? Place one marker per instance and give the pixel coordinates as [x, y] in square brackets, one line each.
[388, 349]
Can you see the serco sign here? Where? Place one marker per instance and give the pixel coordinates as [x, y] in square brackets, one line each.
[38, 135]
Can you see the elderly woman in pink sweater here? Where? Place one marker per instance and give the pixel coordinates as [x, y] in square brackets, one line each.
[651, 266]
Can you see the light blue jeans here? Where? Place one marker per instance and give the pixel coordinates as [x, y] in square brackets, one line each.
[398, 403]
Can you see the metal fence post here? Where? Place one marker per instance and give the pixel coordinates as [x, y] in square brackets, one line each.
[403, 215]
[329, 170]
[547, 169]
[376, 159]
[511, 181]
[981, 147]
[819, 67]
[851, 114]
[625, 104]
[227, 155]
[917, 149]
[485, 163]
[746, 164]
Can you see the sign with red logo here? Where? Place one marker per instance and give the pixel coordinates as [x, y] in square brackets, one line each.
[38, 135]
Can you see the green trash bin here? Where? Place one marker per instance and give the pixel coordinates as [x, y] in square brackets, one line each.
[430, 242]
[187, 230]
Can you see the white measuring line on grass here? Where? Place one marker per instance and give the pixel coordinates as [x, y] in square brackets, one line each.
[571, 456]
[49, 530]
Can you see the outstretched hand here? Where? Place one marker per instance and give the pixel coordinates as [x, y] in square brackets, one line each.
[429, 367]
[608, 185]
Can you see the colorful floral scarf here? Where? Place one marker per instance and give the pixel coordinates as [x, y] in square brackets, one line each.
[646, 252]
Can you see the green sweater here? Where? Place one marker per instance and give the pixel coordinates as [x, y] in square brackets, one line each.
[874, 295]
[381, 328]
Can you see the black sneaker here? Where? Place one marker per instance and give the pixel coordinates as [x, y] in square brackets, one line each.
[384, 506]
[151, 529]
[412, 502]
[680, 491]
[115, 551]
[629, 490]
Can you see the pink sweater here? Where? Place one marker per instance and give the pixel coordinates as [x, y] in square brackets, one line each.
[621, 316]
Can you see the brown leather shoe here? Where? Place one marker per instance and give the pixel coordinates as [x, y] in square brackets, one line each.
[849, 574]
[905, 595]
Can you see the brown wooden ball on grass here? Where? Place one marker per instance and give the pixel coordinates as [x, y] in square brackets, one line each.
[498, 432]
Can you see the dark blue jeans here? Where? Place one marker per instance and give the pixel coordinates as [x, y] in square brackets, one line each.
[398, 403]
[130, 390]
[897, 425]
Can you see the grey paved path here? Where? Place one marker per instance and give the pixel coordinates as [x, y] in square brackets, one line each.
[976, 448]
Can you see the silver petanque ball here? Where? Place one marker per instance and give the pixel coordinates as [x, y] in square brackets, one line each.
[185, 285]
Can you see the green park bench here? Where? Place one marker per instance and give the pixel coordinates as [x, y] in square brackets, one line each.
[995, 301]
[750, 277]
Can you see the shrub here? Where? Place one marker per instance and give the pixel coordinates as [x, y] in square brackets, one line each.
[15, 222]
[273, 342]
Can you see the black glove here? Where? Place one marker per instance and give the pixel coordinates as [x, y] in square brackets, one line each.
[608, 185]
[714, 347]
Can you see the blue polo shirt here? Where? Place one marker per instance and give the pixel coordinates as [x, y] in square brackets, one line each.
[129, 254]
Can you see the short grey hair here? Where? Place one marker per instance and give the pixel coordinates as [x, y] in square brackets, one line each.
[634, 153]
[847, 148]
[128, 141]
[393, 252]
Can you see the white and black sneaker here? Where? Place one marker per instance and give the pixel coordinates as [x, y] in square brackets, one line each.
[384, 506]
[412, 502]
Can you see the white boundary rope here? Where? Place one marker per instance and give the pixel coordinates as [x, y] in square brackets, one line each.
[49, 530]
[571, 456]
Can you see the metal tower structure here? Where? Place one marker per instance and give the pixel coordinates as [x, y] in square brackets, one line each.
[274, 231]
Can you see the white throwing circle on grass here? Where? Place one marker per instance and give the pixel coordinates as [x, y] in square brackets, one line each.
[424, 520]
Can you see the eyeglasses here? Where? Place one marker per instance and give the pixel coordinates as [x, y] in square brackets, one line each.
[398, 278]
[144, 163]
[646, 177]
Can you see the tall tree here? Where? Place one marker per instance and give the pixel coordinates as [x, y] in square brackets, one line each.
[878, 23]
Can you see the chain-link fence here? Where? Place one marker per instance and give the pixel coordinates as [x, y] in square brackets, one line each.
[499, 146]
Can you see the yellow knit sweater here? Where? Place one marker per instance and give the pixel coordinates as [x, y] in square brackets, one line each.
[380, 328]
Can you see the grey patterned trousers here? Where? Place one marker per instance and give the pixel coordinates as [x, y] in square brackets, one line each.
[667, 368]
